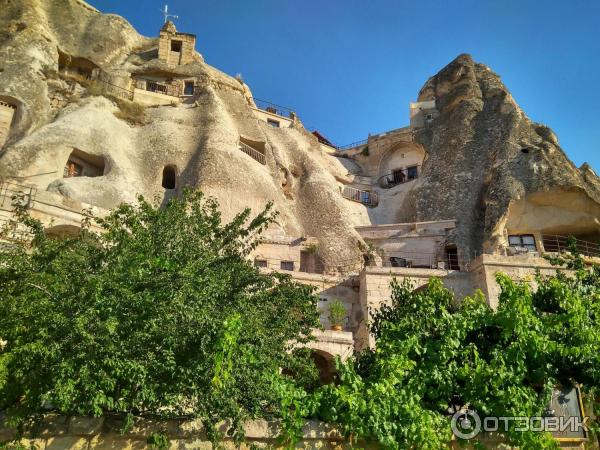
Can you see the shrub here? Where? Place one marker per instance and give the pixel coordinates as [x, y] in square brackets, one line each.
[130, 111]
[337, 313]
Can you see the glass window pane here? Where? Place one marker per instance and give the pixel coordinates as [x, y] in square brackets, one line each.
[528, 240]
[514, 240]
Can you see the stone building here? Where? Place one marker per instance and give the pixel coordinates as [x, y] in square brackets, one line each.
[175, 48]
[468, 188]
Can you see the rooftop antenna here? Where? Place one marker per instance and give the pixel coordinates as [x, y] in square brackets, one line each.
[167, 15]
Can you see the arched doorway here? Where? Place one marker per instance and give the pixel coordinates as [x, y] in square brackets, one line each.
[325, 363]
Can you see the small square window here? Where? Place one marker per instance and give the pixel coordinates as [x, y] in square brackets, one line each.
[273, 123]
[260, 263]
[176, 46]
[412, 172]
[287, 265]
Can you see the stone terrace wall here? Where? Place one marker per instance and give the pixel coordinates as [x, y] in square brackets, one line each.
[82, 433]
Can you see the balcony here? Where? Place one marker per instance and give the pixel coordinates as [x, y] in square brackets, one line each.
[559, 244]
[368, 198]
[422, 260]
[171, 89]
[253, 153]
[399, 176]
[272, 108]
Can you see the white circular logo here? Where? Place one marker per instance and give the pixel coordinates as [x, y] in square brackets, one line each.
[465, 424]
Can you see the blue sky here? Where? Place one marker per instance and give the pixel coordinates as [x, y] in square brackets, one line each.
[350, 67]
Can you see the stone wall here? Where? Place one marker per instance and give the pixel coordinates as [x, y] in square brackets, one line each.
[518, 268]
[185, 56]
[82, 433]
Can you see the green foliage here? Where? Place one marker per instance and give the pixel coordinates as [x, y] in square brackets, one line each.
[160, 314]
[365, 151]
[158, 441]
[337, 312]
[433, 352]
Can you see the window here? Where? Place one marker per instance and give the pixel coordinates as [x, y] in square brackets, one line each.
[169, 177]
[397, 176]
[176, 46]
[260, 263]
[522, 240]
[287, 265]
[72, 169]
[396, 261]
[365, 197]
[82, 164]
[188, 88]
[273, 123]
[412, 172]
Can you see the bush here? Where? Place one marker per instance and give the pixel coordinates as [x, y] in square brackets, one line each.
[337, 313]
[432, 353]
[161, 314]
[131, 112]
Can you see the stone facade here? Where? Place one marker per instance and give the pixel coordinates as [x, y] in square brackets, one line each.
[175, 48]
[83, 433]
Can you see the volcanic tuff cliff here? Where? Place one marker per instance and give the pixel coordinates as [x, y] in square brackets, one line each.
[483, 153]
[484, 156]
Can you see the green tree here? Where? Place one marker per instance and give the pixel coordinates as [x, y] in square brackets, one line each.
[433, 352]
[161, 313]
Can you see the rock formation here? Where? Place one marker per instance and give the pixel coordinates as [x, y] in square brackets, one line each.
[486, 164]
[485, 156]
[55, 116]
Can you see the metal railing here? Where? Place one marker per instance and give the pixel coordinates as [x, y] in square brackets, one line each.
[447, 261]
[172, 90]
[288, 265]
[11, 192]
[115, 90]
[368, 198]
[253, 153]
[558, 244]
[352, 145]
[273, 108]
[12, 231]
[398, 177]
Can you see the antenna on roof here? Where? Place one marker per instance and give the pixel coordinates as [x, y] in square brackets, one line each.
[167, 15]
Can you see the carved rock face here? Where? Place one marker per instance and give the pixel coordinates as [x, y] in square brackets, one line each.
[483, 154]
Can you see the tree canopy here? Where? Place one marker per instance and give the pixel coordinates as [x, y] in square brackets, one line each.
[158, 313]
[161, 313]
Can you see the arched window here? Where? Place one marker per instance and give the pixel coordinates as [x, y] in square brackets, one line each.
[169, 177]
